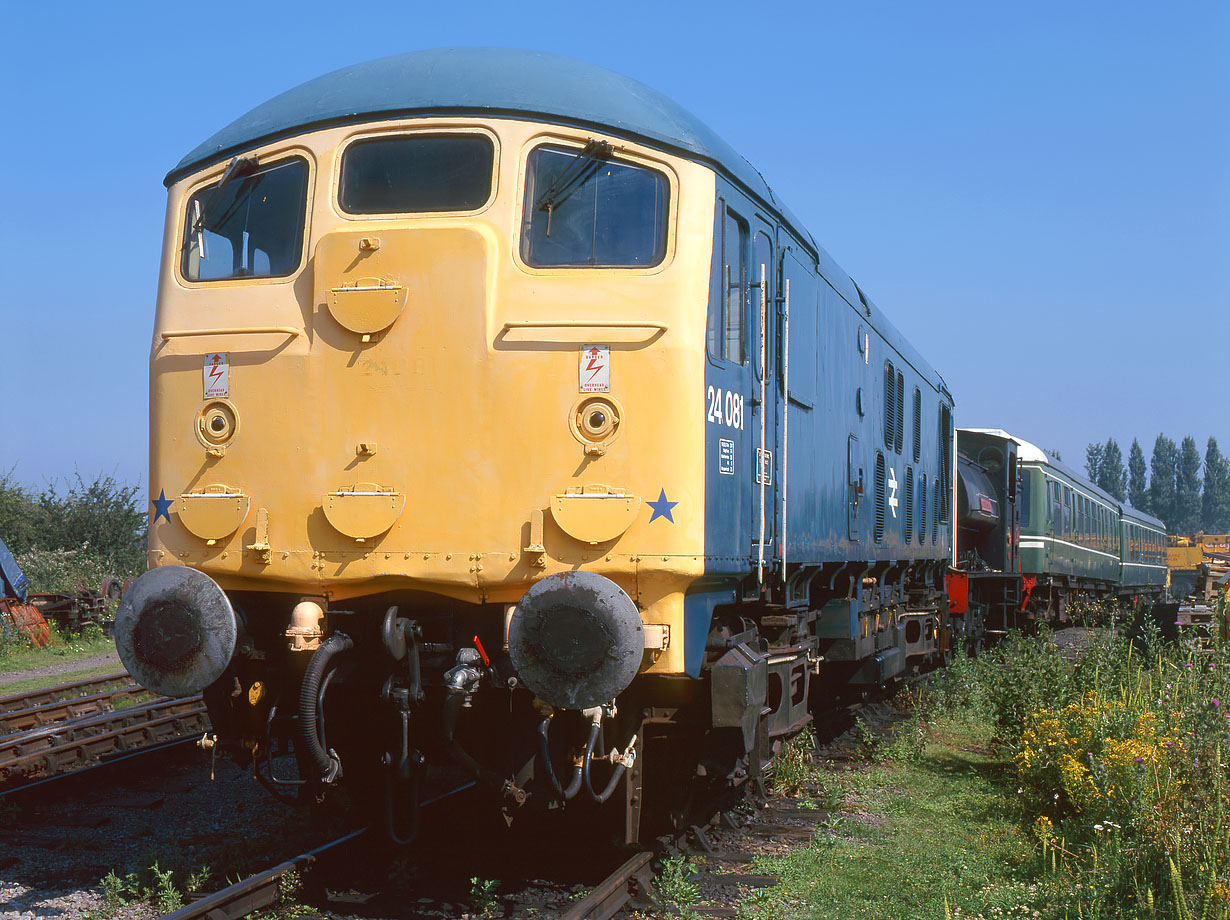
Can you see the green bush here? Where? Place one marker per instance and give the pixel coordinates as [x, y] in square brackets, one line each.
[1121, 767]
[1020, 676]
[65, 571]
[68, 538]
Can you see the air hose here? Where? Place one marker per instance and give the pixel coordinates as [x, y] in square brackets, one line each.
[616, 776]
[326, 763]
[544, 752]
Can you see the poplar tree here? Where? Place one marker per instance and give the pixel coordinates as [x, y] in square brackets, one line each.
[1216, 503]
[1093, 461]
[1138, 489]
[1187, 488]
[1162, 469]
[1112, 477]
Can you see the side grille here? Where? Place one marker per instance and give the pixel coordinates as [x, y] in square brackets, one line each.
[890, 406]
[917, 424]
[909, 504]
[900, 410]
[879, 486]
[935, 518]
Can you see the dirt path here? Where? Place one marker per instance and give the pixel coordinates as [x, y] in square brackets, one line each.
[62, 667]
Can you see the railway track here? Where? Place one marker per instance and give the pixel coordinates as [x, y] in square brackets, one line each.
[628, 885]
[48, 732]
[62, 691]
[25, 711]
[257, 891]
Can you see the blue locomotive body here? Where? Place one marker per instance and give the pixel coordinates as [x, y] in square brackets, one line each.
[752, 488]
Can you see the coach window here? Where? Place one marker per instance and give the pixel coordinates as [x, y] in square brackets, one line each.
[247, 225]
[585, 209]
[1024, 501]
[417, 173]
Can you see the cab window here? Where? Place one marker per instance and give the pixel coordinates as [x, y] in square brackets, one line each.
[247, 225]
[417, 173]
[585, 209]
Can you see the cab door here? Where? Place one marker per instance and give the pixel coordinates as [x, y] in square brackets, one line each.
[764, 419]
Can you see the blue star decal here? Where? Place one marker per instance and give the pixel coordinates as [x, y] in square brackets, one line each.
[662, 508]
[162, 506]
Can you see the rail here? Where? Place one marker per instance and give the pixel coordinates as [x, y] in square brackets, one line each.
[63, 691]
[257, 891]
[632, 880]
[54, 748]
[60, 711]
[93, 772]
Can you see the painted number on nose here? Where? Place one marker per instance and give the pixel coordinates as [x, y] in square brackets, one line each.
[725, 408]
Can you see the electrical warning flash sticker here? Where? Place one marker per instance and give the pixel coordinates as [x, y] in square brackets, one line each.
[596, 369]
[217, 375]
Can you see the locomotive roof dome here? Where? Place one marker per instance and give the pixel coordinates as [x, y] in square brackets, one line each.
[501, 82]
[512, 83]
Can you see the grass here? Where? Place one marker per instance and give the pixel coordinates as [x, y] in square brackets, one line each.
[1034, 783]
[927, 831]
[20, 657]
[54, 680]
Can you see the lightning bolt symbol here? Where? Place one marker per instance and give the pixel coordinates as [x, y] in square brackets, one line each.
[594, 366]
[215, 372]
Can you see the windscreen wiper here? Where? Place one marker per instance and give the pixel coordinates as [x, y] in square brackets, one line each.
[577, 173]
[239, 166]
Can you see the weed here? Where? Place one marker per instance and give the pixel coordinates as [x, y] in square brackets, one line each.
[164, 894]
[289, 903]
[676, 885]
[793, 769]
[910, 737]
[868, 738]
[483, 895]
[115, 891]
[154, 886]
[196, 879]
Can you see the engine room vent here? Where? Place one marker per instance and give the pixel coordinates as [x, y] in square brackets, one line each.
[900, 410]
[922, 510]
[890, 406]
[879, 522]
[909, 504]
[935, 517]
[917, 424]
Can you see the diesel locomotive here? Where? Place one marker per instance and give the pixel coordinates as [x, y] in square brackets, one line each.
[506, 429]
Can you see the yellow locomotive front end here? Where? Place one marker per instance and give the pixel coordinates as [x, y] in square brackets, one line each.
[352, 396]
[429, 383]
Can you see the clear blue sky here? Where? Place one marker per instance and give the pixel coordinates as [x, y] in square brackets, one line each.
[1037, 194]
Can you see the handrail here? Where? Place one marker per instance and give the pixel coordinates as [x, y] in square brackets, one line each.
[231, 330]
[583, 324]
